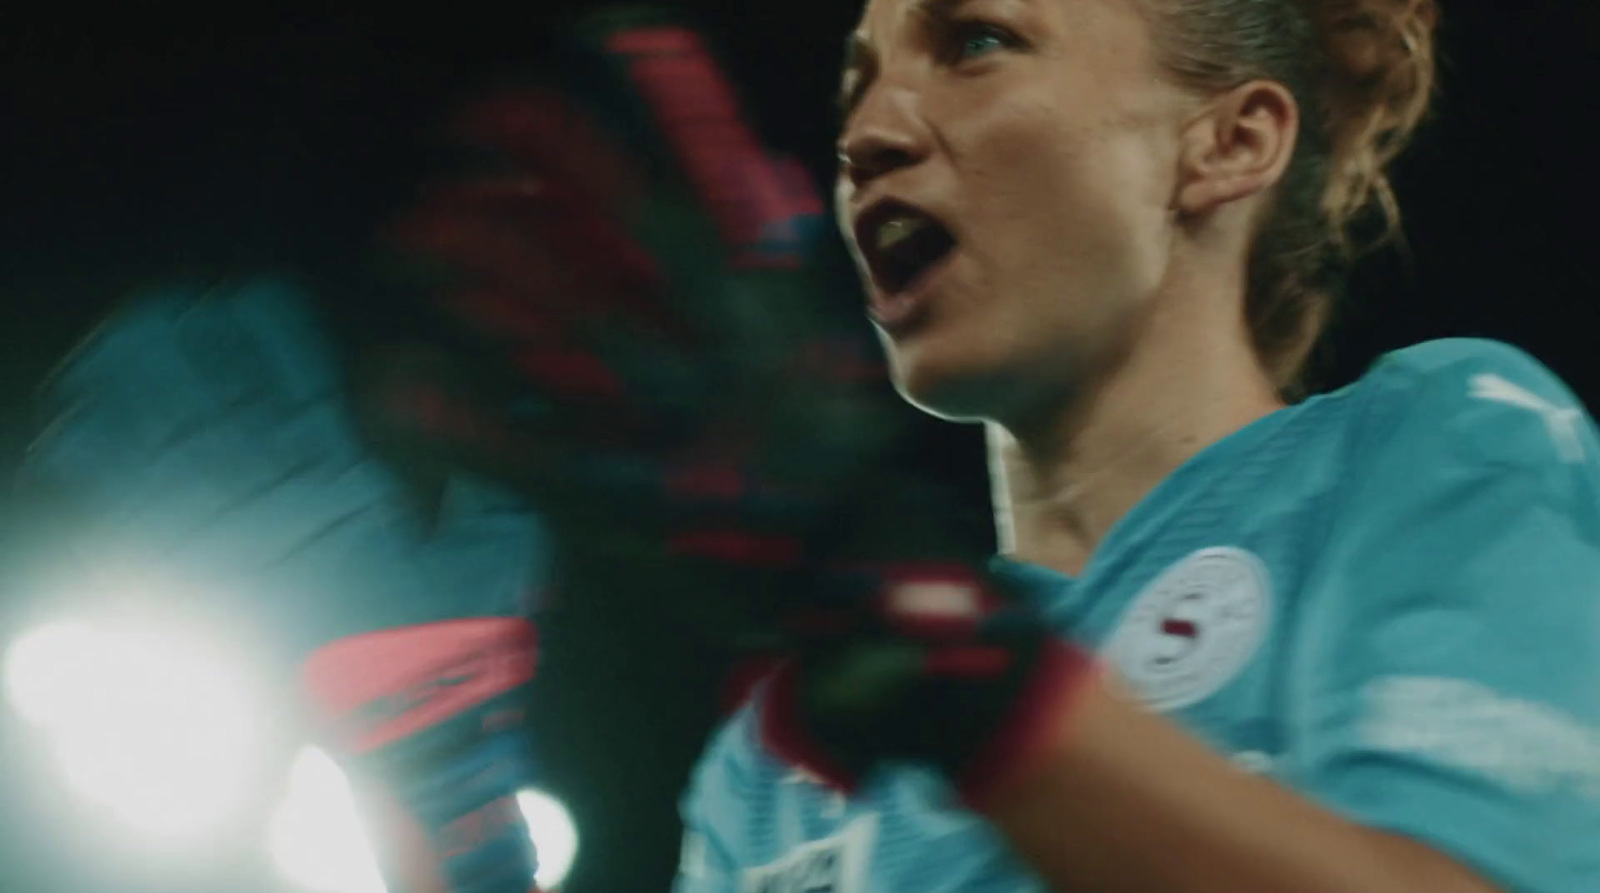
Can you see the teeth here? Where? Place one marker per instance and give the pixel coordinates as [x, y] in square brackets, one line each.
[898, 230]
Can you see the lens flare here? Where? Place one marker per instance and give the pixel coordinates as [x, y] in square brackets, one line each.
[555, 836]
[316, 836]
[156, 727]
[45, 666]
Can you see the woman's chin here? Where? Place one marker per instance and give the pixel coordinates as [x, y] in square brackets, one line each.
[958, 391]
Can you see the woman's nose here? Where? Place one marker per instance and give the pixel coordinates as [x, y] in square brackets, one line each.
[882, 135]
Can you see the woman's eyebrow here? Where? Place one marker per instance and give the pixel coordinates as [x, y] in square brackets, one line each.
[860, 57]
[859, 60]
[858, 48]
[937, 10]
[857, 51]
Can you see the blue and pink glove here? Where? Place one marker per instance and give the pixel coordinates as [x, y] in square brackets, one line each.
[655, 344]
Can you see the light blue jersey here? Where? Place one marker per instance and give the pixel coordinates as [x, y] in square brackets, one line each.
[204, 438]
[1386, 598]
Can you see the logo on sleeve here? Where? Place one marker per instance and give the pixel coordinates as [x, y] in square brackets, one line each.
[1526, 746]
[1561, 421]
[836, 864]
[1194, 629]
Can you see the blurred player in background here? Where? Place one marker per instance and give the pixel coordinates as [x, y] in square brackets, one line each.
[1236, 640]
[203, 456]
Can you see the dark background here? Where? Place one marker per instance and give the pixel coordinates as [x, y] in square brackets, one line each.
[140, 147]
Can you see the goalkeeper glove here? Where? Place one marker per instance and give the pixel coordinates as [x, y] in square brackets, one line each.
[922, 663]
[651, 353]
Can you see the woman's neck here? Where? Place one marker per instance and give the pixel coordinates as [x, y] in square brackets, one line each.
[1061, 485]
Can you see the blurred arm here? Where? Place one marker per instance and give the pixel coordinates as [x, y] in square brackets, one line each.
[1128, 801]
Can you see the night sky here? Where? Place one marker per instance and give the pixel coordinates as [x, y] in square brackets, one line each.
[142, 147]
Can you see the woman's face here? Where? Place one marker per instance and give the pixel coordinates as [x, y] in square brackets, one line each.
[1006, 183]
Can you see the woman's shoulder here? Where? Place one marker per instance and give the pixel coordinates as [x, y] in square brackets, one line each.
[1457, 360]
[1478, 399]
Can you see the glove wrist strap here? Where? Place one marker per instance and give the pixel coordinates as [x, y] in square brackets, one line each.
[1064, 675]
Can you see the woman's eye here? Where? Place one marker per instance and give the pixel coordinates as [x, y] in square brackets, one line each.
[978, 38]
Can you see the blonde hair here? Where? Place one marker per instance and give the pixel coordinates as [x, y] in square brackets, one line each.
[1363, 73]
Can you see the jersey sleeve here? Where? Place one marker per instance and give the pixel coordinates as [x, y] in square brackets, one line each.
[202, 440]
[1446, 685]
[711, 809]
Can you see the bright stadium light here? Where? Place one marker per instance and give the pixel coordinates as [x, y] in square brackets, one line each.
[316, 837]
[555, 837]
[45, 665]
[156, 727]
[318, 841]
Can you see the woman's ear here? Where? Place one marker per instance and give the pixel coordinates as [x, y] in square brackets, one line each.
[1238, 147]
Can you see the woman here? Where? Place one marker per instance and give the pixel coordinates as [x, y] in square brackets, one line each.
[1109, 229]
[1344, 644]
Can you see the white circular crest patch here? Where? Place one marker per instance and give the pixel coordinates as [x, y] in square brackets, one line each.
[1191, 631]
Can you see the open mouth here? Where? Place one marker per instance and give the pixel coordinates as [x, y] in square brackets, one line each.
[901, 243]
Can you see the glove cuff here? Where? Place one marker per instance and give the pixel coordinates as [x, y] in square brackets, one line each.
[1061, 678]
[430, 720]
[381, 687]
[783, 732]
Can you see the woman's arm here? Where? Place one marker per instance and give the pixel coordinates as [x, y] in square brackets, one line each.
[1125, 800]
